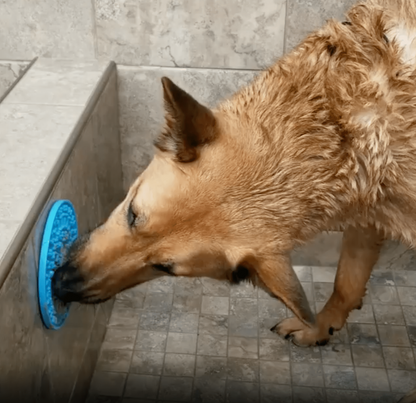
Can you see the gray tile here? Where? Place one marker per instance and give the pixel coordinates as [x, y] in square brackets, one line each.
[176, 389]
[158, 302]
[308, 395]
[147, 363]
[155, 321]
[124, 318]
[10, 71]
[213, 324]
[393, 336]
[411, 331]
[363, 334]
[242, 392]
[104, 399]
[399, 358]
[143, 114]
[50, 29]
[311, 355]
[307, 375]
[243, 320]
[309, 292]
[215, 288]
[215, 305]
[142, 386]
[304, 273]
[211, 367]
[363, 315]
[120, 339]
[336, 354]
[384, 295]
[187, 303]
[372, 379]
[181, 343]
[130, 303]
[114, 360]
[151, 341]
[377, 397]
[323, 291]
[407, 295]
[274, 349]
[271, 312]
[243, 347]
[323, 274]
[162, 285]
[344, 396]
[244, 34]
[208, 391]
[275, 393]
[367, 356]
[341, 336]
[211, 344]
[313, 15]
[402, 381]
[188, 286]
[240, 369]
[409, 313]
[275, 372]
[184, 322]
[107, 384]
[405, 278]
[339, 377]
[179, 365]
[243, 290]
[388, 314]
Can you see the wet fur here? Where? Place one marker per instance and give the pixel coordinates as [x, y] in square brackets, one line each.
[325, 137]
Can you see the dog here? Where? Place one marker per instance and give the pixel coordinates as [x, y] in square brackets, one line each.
[324, 137]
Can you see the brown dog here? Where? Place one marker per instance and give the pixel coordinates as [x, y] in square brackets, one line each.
[326, 136]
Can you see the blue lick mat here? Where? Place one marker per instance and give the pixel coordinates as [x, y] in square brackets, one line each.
[61, 230]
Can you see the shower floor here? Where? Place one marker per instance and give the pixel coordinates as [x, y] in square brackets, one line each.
[199, 340]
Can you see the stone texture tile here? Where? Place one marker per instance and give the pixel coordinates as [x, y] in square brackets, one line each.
[184, 322]
[399, 358]
[211, 367]
[339, 377]
[213, 324]
[275, 349]
[107, 384]
[336, 354]
[388, 314]
[143, 114]
[211, 344]
[303, 394]
[155, 321]
[48, 28]
[363, 315]
[311, 355]
[114, 360]
[147, 363]
[344, 396]
[163, 285]
[367, 356]
[377, 397]
[382, 277]
[275, 372]
[158, 302]
[407, 295]
[207, 34]
[208, 391]
[402, 381]
[243, 290]
[411, 331]
[313, 15]
[323, 274]
[323, 291]
[270, 312]
[181, 343]
[242, 392]
[215, 305]
[363, 334]
[179, 365]
[393, 336]
[240, 369]
[243, 320]
[307, 375]
[123, 317]
[151, 341]
[142, 386]
[187, 286]
[372, 379]
[215, 288]
[175, 389]
[10, 71]
[187, 303]
[409, 313]
[271, 393]
[243, 347]
[405, 278]
[384, 295]
[304, 273]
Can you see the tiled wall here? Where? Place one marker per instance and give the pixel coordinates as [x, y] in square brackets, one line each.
[40, 365]
[218, 44]
[10, 71]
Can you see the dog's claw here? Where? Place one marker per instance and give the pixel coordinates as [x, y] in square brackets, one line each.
[273, 329]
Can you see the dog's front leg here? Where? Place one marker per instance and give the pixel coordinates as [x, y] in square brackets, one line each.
[360, 251]
[277, 274]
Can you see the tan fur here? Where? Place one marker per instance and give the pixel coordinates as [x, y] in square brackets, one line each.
[326, 136]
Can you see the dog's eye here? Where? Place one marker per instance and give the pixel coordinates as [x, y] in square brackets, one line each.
[131, 215]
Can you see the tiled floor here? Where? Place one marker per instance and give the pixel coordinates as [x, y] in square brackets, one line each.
[183, 340]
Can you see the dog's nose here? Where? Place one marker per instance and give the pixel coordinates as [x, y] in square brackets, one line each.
[67, 283]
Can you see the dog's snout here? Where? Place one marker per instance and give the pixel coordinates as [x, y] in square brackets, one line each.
[67, 283]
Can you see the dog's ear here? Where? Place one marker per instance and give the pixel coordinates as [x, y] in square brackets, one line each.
[188, 124]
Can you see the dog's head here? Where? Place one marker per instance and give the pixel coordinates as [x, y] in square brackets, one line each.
[185, 215]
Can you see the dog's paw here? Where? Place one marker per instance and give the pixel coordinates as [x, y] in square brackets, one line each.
[300, 334]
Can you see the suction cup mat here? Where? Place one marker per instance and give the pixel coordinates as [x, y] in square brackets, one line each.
[60, 232]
